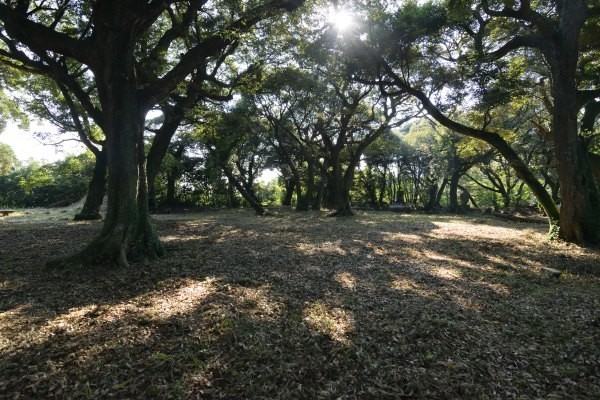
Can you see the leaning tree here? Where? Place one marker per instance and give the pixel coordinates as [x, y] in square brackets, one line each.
[467, 56]
[138, 53]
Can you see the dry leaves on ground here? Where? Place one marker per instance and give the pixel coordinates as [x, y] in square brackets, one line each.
[298, 305]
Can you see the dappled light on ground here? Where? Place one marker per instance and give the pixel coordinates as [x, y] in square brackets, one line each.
[299, 305]
[333, 322]
[346, 280]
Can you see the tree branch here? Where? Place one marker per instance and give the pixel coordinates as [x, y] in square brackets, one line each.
[211, 47]
[40, 38]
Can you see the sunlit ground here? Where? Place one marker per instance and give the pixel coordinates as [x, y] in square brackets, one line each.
[299, 305]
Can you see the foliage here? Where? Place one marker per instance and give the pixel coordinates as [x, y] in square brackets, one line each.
[8, 160]
[43, 185]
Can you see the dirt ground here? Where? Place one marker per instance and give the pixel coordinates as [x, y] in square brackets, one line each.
[301, 306]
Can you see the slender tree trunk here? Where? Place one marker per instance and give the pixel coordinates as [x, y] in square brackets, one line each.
[318, 200]
[249, 197]
[440, 193]
[96, 190]
[158, 151]
[464, 189]
[310, 185]
[171, 185]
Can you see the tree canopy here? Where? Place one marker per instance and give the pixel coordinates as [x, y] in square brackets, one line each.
[509, 90]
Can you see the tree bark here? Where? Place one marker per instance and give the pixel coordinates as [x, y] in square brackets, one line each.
[440, 193]
[453, 207]
[432, 195]
[289, 185]
[579, 194]
[127, 233]
[343, 206]
[96, 191]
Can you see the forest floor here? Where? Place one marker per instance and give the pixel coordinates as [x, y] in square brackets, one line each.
[301, 306]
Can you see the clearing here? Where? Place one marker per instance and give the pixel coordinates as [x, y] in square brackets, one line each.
[298, 305]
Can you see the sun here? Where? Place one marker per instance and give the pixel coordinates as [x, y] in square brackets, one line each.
[341, 19]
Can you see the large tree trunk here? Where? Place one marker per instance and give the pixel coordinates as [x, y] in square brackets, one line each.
[289, 185]
[96, 190]
[127, 232]
[171, 189]
[343, 206]
[432, 196]
[301, 202]
[453, 207]
[580, 198]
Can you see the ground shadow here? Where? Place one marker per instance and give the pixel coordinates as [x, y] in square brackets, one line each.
[300, 306]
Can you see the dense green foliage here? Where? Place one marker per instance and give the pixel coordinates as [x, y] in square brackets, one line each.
[46, 185]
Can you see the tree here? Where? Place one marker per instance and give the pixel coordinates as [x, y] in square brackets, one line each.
[138, 54]
[560, 31]
[289, 103]
[8, 160]
[52, 102]
[235, 144]
[418, 50]
[564, 34]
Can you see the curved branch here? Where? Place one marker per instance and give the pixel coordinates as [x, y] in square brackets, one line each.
[81, 131]
[523, 13]
[211, 47]
[492, 138]
[518, 42]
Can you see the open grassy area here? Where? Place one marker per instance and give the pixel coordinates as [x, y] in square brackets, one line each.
[303, 306]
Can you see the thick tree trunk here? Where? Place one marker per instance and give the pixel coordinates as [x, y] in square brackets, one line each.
[96, 190]
[432, 196]
[301, 203]
[343, 206]
[127, 232]
[579, 194]
[453, 207]
[289, 186]
[171, 189]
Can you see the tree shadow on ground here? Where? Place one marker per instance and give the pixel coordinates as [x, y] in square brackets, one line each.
[302, 307]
